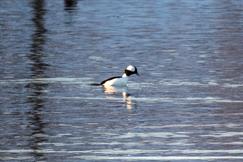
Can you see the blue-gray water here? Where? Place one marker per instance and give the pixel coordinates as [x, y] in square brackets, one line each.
[187, 104]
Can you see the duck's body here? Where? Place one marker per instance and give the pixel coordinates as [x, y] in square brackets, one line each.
[116, 81]
[120, 80]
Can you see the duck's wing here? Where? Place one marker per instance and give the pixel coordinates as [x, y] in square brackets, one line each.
[109, 79]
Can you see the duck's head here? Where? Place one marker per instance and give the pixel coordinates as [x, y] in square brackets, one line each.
[130, 70]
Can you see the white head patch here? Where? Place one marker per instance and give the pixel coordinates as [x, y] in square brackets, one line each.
[130, 68]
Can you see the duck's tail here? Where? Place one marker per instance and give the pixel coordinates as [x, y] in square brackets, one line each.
[95, 84]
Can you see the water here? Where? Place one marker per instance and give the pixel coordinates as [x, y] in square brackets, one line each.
[186, 105]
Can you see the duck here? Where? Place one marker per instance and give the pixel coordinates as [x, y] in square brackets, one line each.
[120, 81]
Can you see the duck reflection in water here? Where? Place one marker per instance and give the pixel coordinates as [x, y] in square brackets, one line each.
[111, 91]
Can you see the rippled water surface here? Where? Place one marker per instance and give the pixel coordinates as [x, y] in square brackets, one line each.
[187, 104]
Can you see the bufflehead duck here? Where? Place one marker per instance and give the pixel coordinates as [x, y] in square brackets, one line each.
[120, 80]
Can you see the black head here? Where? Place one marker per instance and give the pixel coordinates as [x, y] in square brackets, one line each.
[130, 70]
